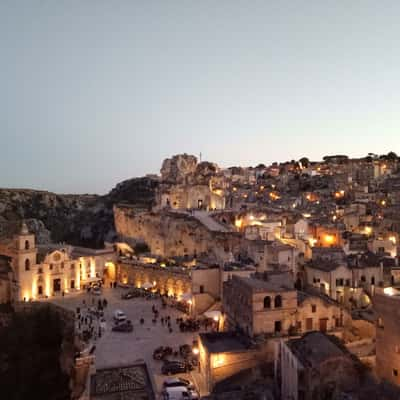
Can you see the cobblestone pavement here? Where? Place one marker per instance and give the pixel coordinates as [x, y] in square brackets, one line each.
[118, 348]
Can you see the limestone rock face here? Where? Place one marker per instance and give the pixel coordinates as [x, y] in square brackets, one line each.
[170, 234]
[83, 220]
[203, 173]
[175, 170]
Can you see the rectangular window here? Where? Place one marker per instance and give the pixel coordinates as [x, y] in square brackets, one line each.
[72, 266]
[201, 288]
[309, 324]
[50, 266]
[313, 308]
[72, 284]
[395, 372]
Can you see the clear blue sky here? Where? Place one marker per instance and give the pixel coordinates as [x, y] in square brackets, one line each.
[94, 92]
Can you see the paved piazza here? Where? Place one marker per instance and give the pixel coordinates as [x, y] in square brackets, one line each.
[115, 349]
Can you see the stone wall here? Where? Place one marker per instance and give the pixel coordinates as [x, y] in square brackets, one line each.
[171, 234]
[388, 337]
[166, 280]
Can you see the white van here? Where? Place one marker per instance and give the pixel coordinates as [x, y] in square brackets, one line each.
[179, 393]
[119, 316]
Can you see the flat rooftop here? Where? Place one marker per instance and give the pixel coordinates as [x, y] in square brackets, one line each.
[223, 342]
[260, 285]
[315, 347]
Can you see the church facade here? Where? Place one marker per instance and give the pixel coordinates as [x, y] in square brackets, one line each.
[53, 270]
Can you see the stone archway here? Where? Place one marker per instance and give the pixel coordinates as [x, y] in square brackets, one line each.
[109, 273]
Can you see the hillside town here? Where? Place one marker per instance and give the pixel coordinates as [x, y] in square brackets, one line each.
[273, 282]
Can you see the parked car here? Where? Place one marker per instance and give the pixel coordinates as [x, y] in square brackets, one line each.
[161, 352]
[127, 296]
[179, 393]
[126, 326]
[96, 290]
[185, 350]
[119, 315]
[174, 367]
[174, 381]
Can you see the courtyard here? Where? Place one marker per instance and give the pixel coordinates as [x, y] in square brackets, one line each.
[115, 349]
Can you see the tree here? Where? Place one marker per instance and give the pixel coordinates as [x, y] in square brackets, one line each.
[392, 156]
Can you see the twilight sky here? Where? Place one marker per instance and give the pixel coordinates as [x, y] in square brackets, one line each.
[94, 92]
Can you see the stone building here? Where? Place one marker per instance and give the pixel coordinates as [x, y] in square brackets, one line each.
[198, 286]
[187, 184]
[271, 255]
[224, 354]
[259, 306]
[387, 307]
[44, 271]
[192, 197]
[318, 313]
[347, 280]
[315, 367]
[273, 307]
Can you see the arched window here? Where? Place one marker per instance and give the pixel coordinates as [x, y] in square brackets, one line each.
[278, 301]
[267, 302]
[27, 264]
[363, 279]
[26, 244]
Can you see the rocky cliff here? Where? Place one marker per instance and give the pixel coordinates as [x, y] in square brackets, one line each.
[85, 220]
[170, 234]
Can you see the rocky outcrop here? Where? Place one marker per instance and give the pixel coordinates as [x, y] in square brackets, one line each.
[175, 170]
[203, 174]
[170, 234]
[84, 220]
[183, 169]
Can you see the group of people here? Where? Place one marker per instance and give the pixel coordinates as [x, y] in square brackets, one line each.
[90, 322]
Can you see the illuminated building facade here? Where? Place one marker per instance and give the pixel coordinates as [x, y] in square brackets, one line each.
[44, 271]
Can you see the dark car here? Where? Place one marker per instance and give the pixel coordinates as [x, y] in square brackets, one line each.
[185, 350]
[161, 352]
[123, 327]
[127, 296]
[173, 367]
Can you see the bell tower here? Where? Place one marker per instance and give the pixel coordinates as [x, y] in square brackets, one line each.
[25, 262]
